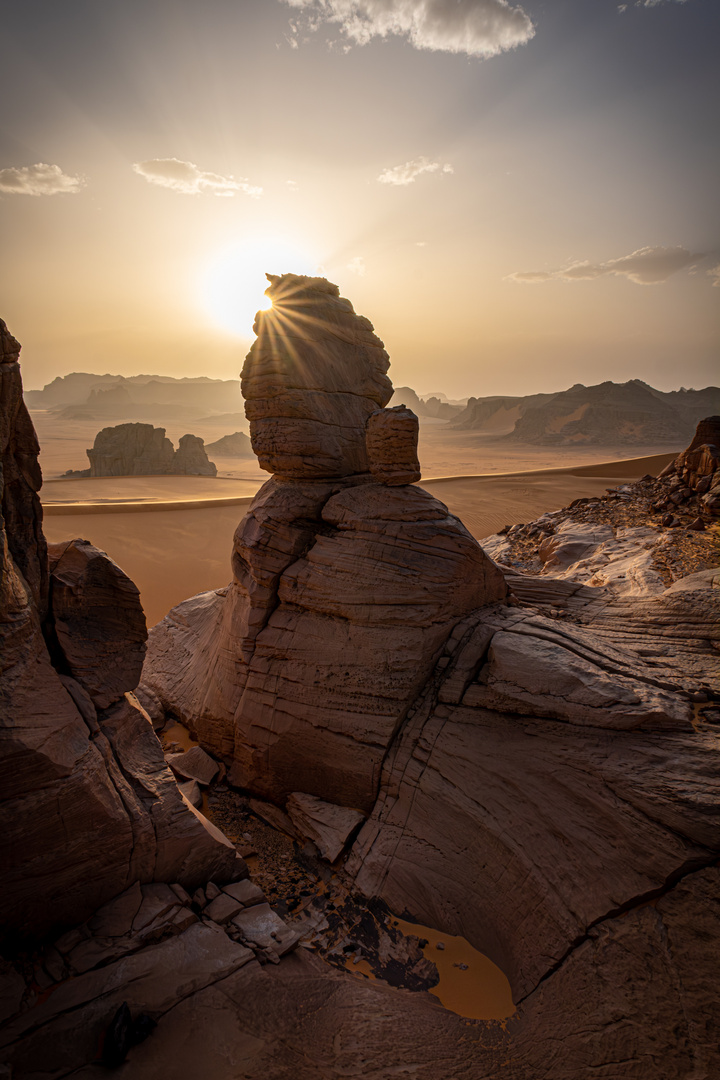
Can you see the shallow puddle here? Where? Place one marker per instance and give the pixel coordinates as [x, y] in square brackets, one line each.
[479, 991]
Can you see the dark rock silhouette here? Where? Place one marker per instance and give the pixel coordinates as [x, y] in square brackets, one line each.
[88, 801]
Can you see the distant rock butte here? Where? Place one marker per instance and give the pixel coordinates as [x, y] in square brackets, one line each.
[609, 413]
[143, 450]
[527, 783]
[236, 445]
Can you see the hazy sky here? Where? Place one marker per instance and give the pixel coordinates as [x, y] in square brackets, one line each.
[519, 197]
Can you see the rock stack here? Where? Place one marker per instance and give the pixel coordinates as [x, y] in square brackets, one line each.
[541, 786]
[143, 450]
[344, 589]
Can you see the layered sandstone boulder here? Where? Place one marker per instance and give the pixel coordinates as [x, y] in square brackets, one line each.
[89, 805]
[310, 381]
[391, 437]
[144, 450]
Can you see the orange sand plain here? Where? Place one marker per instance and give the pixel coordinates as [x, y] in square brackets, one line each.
[177, 546]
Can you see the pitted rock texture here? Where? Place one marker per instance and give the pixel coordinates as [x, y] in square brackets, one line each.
[143, 450]
[391, 438]
[310, 381]
[89, 804]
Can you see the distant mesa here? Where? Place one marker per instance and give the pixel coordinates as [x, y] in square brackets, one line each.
[83, 396]
[430, 407]
[630, 413]
[143, 450]
[236, 445]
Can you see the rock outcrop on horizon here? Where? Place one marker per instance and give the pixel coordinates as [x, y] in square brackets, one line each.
[542, 787]
[143, 450]
[609, 413]
[88, 803]
[236, 445]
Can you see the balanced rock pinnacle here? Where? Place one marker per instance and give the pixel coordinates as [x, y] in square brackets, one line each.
[310, 381]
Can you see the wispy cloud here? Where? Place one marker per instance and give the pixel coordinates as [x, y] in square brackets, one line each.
[188, 179]
[473, 27]
[646, 266]
[357, 266]
[39, 179]
[407, 173]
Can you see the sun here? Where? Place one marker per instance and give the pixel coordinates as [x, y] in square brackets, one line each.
[233, 282]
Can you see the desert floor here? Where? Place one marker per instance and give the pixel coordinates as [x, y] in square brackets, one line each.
[173, 535]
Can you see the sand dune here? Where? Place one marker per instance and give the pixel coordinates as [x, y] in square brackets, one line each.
[176, 546]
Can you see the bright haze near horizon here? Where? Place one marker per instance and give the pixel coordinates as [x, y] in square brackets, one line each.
[520, 197]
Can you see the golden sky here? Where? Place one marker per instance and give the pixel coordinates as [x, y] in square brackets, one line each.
[519, 199]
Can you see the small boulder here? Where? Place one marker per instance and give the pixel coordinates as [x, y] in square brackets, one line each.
[194, 764]
[327, 825]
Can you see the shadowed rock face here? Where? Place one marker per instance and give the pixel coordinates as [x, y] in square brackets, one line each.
[310, 381]
[542, 788]
[89, 805]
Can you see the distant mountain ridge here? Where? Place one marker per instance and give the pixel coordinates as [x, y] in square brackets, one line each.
[82, 395]
[631, 413]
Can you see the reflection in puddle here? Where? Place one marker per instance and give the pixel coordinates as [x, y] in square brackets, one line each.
[478, 990]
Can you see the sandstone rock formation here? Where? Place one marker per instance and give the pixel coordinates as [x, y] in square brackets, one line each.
[310, 381]
[190, 458]
[143, 450]
[543, 787]
[89, 805]
[697, 469]
[340, 584]
[391, 438]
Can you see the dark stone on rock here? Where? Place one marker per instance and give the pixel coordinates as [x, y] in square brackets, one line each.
[98, 620]
[118, 1038]
[697, 525]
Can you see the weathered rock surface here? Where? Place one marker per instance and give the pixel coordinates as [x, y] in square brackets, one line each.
[698, 468]
[97, 621]
[190, 458]
[310, 381]
[391, 437]
[143, 450]
[341, 602]
[89, 805]
[327, 825]
[539, 785]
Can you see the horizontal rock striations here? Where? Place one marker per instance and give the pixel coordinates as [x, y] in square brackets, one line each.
[542, 785]
[311, 379]
[88, 803]
[344, 589]
[143, 450]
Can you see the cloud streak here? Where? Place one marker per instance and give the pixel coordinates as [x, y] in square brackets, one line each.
[480, 28]
[187, 179]
[401, 175]
[40, 179]
[646, 266]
